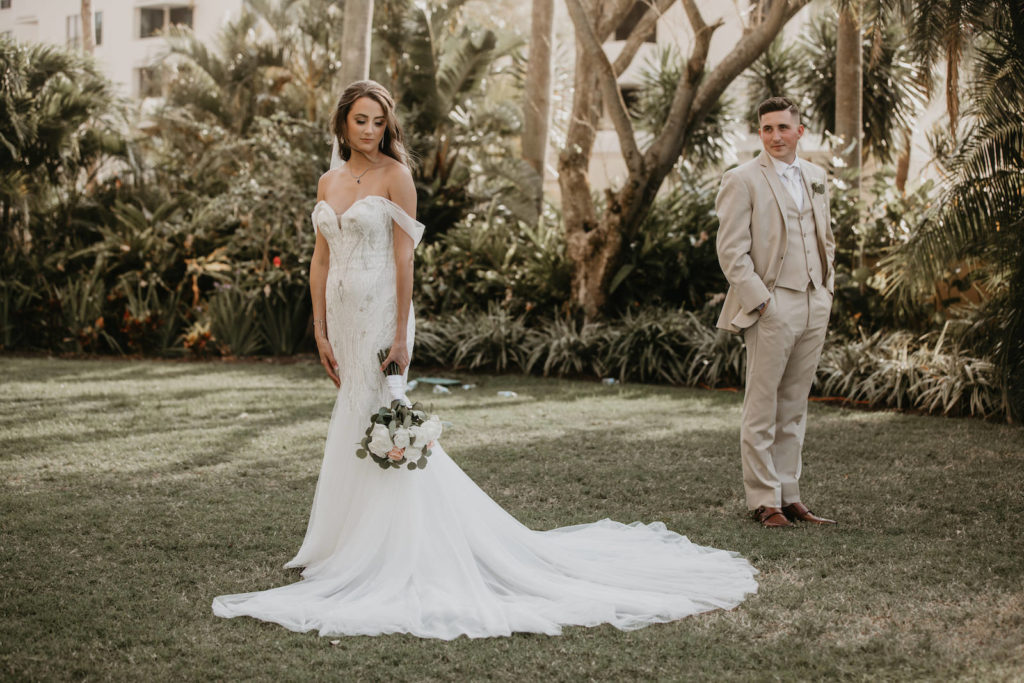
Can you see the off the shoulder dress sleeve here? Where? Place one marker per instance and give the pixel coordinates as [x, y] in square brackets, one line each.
[412, 227]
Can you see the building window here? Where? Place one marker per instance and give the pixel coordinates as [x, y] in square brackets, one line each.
[153, 20]
[640, 8]
[181, 16]
[73, 32]
[97, 28]
[5, 4]
[148, 82]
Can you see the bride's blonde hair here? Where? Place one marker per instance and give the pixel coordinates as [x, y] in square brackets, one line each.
[392, 143]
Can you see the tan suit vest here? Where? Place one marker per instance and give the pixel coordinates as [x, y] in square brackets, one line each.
[802, 263]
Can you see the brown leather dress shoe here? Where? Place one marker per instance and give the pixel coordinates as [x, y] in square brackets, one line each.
[770, 518]
[799, 512]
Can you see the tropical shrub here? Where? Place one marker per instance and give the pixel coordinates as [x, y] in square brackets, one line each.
[458, 94]
[59, 124]
[567, 347]
[806, 72]
[493, 341]
[673, 260]
[932, 373]
[978, 218]
[904, 371]
[865, 236]
[492, 258]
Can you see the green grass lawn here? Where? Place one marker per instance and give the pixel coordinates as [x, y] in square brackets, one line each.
[136, 491]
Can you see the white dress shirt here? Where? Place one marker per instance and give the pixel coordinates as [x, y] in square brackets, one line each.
[792, 179]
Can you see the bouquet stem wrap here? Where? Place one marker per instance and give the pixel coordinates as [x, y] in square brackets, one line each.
[394, 378]
[396, 387]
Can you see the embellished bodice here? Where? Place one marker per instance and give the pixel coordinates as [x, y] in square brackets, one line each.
[360, 292]
[361, 237]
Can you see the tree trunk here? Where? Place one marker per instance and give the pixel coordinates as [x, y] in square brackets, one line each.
[850, 89]
[537, 107]
[88, 42]
[903, 163]
[595, 243]
[850, 108]
[355, 42]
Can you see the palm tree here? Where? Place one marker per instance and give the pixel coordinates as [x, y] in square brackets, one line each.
[445, 79]
[275, 58]
[47, 96]
[946, 28]
[355, 42]
[980, 216]
[537, 91]
[891, 83]
[776, 73]
[849, 93]
[88, 39]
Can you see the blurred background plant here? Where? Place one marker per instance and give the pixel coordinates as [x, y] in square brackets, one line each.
[172, 227]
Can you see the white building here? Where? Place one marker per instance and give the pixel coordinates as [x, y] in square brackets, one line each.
[127, 32]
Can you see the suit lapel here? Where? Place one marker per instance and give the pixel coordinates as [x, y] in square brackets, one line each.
[768, 170]
[819, 214]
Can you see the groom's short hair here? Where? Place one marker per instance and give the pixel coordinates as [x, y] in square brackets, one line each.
[777, 104]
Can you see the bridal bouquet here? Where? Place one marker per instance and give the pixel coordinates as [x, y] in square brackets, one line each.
[402, 433]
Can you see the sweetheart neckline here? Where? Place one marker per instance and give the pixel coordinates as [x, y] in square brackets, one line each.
[411, 226]
[352, 205]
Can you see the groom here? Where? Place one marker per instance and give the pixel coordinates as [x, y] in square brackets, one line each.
[776, 248]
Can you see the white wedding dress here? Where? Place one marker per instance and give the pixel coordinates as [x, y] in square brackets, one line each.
[427, 552]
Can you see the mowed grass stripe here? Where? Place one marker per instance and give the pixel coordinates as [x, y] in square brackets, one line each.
[135, 491]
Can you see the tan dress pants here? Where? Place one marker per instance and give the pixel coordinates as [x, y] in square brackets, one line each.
[783, 348]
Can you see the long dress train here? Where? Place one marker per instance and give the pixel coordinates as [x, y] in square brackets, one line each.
[427, 552]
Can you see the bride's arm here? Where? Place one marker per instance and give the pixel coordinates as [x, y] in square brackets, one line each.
[403, 193]
[318, 267]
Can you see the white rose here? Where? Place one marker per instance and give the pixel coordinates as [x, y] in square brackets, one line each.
[380, 441]
[412, 454]
[416, 435]
[431, 428]
[402, 437]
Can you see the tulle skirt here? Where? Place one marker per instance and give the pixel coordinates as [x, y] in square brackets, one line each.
[427, 552]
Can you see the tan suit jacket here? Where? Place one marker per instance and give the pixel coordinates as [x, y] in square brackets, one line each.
[752, 234]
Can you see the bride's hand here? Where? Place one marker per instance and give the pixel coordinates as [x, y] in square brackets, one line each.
[399, 354]
[327, 359]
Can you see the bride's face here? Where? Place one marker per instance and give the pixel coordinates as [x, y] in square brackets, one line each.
[365, 126]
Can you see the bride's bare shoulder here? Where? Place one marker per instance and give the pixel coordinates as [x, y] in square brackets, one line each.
[330, 175]
[397, 174]
[325, 181]
[400, 187]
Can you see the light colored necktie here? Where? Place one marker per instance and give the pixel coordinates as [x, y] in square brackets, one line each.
[792, 176]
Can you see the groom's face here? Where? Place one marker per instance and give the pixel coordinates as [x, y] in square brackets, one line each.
[780, 131]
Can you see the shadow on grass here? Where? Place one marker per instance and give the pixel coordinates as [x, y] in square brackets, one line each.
[109, 572]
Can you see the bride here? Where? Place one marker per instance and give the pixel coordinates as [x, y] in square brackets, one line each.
[427, 552]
